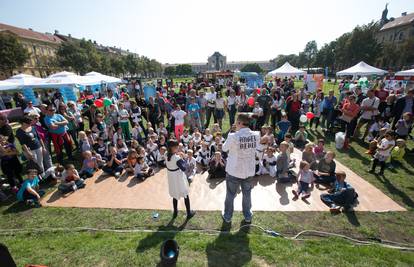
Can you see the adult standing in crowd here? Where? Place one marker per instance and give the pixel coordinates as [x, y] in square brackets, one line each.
[57, 127]
[211, 106]
[241, 148]
[293, 109]
[403, 105]
[265, 101]
[231, 105]
[328, 110]
[32, 145]
[369, 109]
[5, 129]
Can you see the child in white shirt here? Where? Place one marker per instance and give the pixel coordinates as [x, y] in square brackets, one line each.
[208, 137]
[269, 162]
[142, 171]
[203, 157]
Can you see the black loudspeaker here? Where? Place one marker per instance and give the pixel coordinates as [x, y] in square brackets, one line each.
[6, 259]
[169, 252]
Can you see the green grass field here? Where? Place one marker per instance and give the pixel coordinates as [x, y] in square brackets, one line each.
[55, 246]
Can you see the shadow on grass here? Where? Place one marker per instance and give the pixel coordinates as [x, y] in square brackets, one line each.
[17, 207]
[395, 191]
[230, 249]
[163, 233]
[352, 218]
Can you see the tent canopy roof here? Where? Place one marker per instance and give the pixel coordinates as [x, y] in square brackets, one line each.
[102, 77]
[23, 79]
[405, 73]
[286, 70]
[361, 68]
[4, 85]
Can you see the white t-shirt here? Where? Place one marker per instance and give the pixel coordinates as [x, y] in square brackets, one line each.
[241, 147]
[179, 116]
[211, 98]
[385, 143]
[370, 102]
[123, 115]
[220, 103]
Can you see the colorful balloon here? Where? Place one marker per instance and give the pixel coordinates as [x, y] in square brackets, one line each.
[107, 102]
[99, 103]
[303, 118]
[310, 115]
[250, 101]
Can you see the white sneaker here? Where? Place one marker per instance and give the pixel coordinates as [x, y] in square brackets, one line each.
[74, 187]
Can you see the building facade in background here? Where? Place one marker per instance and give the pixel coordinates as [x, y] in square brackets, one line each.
[395, 30]
[219, 62]
[42, 49]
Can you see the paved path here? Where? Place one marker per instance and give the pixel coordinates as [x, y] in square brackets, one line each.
[102, 191]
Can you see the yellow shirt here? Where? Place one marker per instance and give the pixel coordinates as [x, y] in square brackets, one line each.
[397, 153]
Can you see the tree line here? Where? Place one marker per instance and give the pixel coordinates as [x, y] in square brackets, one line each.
[80, 56]
[350, 48]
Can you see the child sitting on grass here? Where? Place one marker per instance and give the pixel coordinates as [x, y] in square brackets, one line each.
[284, 126]
[203, 156]
[397, 153]
[70, 180]
[142, 171]
[319, 149]
[84, 142]
[341, 195]
[89, 165]
[29, 190]
[301, 137]
[305, 180]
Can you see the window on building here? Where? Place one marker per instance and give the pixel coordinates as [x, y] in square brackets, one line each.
[401, 36]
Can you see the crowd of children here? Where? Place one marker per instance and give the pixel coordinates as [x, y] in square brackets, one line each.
[131, 135]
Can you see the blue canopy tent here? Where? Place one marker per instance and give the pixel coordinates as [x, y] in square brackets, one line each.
[251, 79]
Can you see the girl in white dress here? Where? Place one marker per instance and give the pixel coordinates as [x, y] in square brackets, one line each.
[177, 180]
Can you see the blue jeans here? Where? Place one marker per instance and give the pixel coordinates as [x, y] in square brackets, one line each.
[232, 185]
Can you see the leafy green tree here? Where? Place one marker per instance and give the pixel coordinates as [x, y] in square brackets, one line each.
[310, 51]
[183, 69]
[131, 64]
[117, 65]
[12, 53]
[169, 71]
[71, 55]
[254, 67]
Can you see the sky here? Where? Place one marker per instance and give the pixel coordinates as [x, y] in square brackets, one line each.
[186, 31]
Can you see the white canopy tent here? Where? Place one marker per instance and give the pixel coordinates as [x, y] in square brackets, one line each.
[24, 80]
[361, 69]
[65, 78]
[405, 73]
[4, 85]
[286, 70]
[102, 78]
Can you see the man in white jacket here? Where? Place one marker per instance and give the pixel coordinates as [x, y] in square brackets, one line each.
[241, 148]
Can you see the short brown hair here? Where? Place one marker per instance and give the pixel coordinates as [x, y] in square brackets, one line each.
[244, 119]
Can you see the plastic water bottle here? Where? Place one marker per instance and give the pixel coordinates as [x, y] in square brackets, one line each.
[155, 216]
